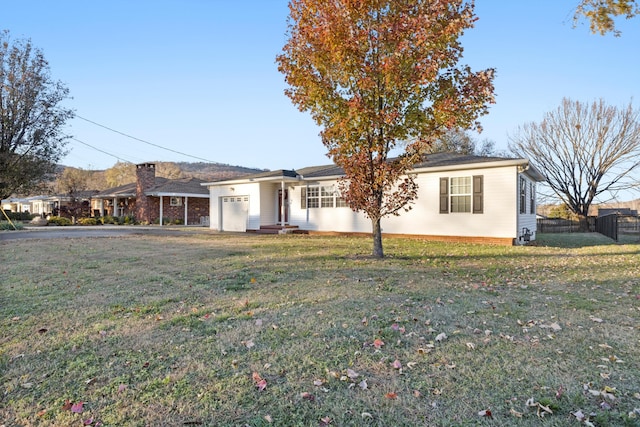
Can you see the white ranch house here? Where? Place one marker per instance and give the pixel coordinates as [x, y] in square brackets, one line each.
[460, 198]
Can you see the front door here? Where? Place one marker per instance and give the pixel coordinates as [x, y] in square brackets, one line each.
[281, 206]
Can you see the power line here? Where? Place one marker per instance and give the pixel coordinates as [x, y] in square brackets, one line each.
[102, 151]
[143, 141]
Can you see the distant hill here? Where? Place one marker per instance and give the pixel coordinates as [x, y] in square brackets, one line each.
[214, 171]
[124, 173]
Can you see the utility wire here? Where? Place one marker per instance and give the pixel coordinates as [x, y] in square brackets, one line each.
[102, 151]
[143, 141]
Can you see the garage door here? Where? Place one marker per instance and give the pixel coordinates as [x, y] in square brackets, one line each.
[235, 213]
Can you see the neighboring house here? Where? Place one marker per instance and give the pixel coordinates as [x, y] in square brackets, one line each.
[60, 204]
[460, 198]
[617, 211]
[154, 199]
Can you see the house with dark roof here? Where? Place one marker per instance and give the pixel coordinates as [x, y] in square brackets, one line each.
[153, 199]
[460, 198]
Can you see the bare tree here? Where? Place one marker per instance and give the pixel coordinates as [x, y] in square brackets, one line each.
[461, 142]
[583, 151]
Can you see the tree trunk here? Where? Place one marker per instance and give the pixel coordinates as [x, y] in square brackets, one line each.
[583, 223]
[377, 238]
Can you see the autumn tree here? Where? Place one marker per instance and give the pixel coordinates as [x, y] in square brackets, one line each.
[72, 182]
[381, 77]
[583, 150]
[601, 14]
[31, 117]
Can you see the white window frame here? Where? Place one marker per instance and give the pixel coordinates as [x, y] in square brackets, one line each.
[460, 193]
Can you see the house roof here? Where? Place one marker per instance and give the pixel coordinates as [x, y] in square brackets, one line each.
[434, 162]
[177, 187]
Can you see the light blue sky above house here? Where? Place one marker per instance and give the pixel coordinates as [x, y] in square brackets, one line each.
[199, 76]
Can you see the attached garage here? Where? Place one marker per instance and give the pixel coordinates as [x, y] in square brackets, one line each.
[235, 213]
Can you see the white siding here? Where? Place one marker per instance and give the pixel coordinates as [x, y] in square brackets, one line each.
[497, 220]
[217, 192]
[526, 220]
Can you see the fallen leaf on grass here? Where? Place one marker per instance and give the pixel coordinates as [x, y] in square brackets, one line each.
[471, 346]
[268, 418]
[516, 413]
[260, 382]
[541, 410]
[122, 387]
[441, 337]
[88, 421]
[391, 395]
[307, 396]
[396, 364]
[352, 374]
[77, 407]
[377, 343]
[248, 343]
[485, 413]
[363, 385]
[324, 421]
[596, 319]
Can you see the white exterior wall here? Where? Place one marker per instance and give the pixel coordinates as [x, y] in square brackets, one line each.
[215, 209]
[268, 204]
[527, 219]
[497, 220]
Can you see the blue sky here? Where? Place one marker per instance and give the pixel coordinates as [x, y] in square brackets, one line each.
[199, 76]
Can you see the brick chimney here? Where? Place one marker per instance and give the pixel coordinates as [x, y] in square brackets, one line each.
[145, 179]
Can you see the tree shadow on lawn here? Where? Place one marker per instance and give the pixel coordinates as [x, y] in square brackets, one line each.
[580, 240]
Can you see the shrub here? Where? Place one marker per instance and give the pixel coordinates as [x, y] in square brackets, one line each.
[18, 216]
[4, 225]
[59, 220]
[130, 219]
[108, 219]
[87, 221]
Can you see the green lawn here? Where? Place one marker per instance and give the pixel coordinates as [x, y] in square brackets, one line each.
[248, 330]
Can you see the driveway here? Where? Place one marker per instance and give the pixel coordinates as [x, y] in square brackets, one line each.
[73, 232]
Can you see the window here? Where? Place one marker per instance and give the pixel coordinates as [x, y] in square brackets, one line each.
[523, 195]
[326, 197]
[462, 194]
[532, 199]
[318, 196]
[175, 201]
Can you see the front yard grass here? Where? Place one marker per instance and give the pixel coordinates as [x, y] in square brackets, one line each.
[248, 330]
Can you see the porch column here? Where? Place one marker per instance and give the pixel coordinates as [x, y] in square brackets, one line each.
[115, 207]
[282, 207]
[161, 206]
[186, 210]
